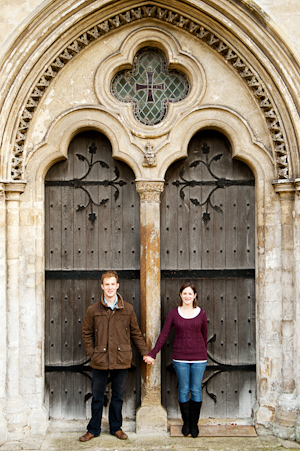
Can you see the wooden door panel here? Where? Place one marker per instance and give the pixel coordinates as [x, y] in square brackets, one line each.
[207, 237]
[91, 206]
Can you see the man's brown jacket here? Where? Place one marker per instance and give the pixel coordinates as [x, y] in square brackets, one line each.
[107, 333]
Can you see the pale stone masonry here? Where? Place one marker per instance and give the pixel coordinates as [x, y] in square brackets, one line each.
[56, 63]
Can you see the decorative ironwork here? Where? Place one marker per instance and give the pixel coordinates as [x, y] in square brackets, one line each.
[84, 369]
[80, 183]
[220, 367]
[150, 86]
[73, 274]
[217, 183]
[134, 274]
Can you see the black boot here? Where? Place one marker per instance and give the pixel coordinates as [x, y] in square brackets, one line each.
[185, 413]
[195, 408]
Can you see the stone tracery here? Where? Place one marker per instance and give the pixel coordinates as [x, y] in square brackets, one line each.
[150, 86]
[207, 36]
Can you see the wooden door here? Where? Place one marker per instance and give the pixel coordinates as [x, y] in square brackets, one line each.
[207, 227]
[92, 224]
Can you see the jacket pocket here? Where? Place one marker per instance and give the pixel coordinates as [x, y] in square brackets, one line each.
[124, 355]
[100, 356]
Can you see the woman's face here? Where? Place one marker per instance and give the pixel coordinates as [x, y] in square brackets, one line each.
[187, 295]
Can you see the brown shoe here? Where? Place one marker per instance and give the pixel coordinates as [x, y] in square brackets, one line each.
[86, 437]
[121, 435]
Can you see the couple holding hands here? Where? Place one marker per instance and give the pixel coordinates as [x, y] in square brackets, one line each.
[107, 329]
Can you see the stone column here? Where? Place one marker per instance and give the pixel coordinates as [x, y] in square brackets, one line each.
[286, 412]
[151, 416]
[3, 355]
[297, 298]
[15, 408]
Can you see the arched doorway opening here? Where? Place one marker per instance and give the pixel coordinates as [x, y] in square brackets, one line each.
[91, 204]
[207, 237]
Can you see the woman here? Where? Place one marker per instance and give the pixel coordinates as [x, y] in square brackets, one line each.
[189, 354]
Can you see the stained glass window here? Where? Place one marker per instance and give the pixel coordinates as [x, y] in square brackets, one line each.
[150, 86]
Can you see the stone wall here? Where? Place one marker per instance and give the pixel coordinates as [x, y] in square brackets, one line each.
[55, 82]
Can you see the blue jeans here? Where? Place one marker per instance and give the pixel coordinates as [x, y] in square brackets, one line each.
[118, 388]
[189, 376]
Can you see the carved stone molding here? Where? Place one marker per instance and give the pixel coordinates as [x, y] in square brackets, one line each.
[149, 191]
[206, 35]
[13, 190]
[176, 59]
[297, 183]
[285, 187]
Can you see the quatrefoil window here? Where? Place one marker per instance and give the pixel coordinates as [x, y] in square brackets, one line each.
[150, 86]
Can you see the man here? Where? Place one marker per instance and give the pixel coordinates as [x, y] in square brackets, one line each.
[107, 329]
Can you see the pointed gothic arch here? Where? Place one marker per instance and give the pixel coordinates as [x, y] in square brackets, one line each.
[259, 62]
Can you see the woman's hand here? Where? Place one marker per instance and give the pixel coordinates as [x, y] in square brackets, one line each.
[149, 360]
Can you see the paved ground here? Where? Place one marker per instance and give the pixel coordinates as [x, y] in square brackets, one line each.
[106, 442]
[56, 440]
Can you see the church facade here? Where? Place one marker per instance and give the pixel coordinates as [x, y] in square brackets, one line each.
[160, 139]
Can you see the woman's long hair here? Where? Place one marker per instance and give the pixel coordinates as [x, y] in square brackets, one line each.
[192, 286]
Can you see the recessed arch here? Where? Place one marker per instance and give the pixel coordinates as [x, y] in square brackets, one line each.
[62, 131]
[207, 229]
[91, 223]
[271, 80]
[237, 131]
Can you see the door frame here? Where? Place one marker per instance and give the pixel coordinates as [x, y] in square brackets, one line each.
[244, 147]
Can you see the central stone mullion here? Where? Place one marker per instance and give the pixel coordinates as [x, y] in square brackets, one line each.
[151, 416]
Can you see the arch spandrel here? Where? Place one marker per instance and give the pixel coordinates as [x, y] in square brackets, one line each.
[250, 48]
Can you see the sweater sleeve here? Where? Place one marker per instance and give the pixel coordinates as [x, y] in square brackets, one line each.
[163, 335]
[204, 328]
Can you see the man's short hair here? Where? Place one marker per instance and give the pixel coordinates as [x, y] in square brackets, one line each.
[109, 274]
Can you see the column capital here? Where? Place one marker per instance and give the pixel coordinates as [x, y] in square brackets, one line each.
[150, 191]
[285, 188]
[13, 190]
[297, 186]
[16, 187]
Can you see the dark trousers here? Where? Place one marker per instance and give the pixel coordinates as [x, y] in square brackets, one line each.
[118, 388]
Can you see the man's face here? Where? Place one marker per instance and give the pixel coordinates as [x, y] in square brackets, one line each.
[110, 287]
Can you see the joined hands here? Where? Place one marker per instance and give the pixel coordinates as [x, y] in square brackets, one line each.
[149, 360]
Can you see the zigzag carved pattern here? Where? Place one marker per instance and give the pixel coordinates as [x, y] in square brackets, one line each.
[164, 14]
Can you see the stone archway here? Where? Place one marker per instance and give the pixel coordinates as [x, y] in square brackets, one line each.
[92, 223]
[36, 130]
[250, 70]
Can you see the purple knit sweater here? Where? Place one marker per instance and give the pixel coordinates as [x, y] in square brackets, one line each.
[190, 336]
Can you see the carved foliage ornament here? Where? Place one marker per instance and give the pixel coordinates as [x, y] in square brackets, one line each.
[197, 29]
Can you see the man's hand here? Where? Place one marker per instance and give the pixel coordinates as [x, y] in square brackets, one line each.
[149, 360]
